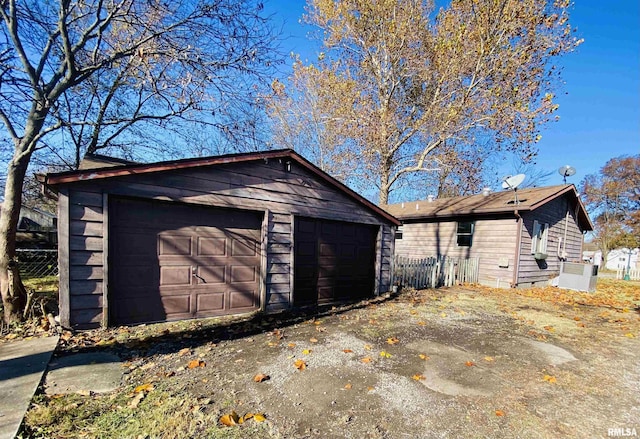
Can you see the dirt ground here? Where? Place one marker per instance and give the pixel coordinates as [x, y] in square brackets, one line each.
[466, 362]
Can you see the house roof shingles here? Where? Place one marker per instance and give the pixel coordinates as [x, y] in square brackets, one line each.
[494, 203]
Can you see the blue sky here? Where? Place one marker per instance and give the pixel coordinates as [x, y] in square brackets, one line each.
[599, 102]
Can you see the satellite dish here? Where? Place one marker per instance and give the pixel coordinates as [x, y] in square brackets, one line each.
[513, 181]
[566, 171]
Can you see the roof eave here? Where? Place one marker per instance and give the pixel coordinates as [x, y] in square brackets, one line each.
[118, 171]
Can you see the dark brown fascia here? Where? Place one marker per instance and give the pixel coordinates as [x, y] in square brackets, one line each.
[145, 168]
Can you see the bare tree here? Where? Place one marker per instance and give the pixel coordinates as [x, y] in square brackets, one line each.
[97, 69]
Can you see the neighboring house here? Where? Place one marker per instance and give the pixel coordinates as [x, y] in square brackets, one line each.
[518, 244]
[622, 258]
[592, 257]
[214, 236]
[36, 229]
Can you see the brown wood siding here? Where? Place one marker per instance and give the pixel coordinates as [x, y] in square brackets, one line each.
[493, 239]
[263, 186]
[85, 258]
[552, 213]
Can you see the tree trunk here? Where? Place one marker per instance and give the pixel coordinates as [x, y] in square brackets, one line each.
[385, 176]
[14, 296]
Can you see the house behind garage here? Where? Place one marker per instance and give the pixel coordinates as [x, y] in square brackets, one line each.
[213, 236]
[517, 243]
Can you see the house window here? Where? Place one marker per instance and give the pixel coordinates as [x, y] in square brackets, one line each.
[539, 238]
[399, 232]
[465, 233]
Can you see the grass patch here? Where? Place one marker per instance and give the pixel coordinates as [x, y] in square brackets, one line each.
[159, 414]
[47, 284]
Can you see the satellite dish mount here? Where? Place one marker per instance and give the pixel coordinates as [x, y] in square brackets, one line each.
[566, 171]
[512, 182]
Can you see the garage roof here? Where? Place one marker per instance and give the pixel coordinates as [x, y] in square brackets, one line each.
[146, 168]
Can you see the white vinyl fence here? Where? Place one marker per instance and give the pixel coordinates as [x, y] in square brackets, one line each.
[634, 274]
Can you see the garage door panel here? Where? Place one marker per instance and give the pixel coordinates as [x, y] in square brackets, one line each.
[171, 245]
[180, 304]
[242, 273]
[196, 260]
[212, 302]
[132, 276]
[211, 246]
[175, 275]
[244, 247]
[135, 243]
[242, 299]
[211, 274]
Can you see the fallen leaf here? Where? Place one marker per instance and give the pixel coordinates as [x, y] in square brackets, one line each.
[549, 378]
[183, 352]
[385, 354]
[549, 328]
[499, 413]
[423, 357]
[367, 360]
[421, 323]
[418, 377]
[300, 364]
[147, 387]
[259, 417]
[576, 318]
[469, 363]
[196, 363]
[313, 340]
[136, 400]
[370, 388]
[273, 344]
[443, 315]
[291, 345]
[318, 322]
[630, 335]
[306, 351]
[489, 359]
[392, 340]
[413, 312]
[229, 419]
[368, 347]
[261, 377]
[581, 325]
[347, 351]
[348, 386]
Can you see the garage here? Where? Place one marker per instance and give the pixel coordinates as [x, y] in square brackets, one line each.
[334, 261]
[175, 261]
[211, 236]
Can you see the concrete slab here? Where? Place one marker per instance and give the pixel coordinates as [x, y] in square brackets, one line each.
[22, 364]
[95, 372]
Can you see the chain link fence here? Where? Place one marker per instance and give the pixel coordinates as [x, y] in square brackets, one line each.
[37, 263]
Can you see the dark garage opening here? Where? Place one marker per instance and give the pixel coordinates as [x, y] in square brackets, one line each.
[334, 261]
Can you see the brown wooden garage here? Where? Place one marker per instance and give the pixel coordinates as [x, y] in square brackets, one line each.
[213, 236]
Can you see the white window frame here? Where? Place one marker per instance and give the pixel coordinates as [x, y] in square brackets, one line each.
[539, 237]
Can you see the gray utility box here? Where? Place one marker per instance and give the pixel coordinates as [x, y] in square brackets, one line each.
[577, 276]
